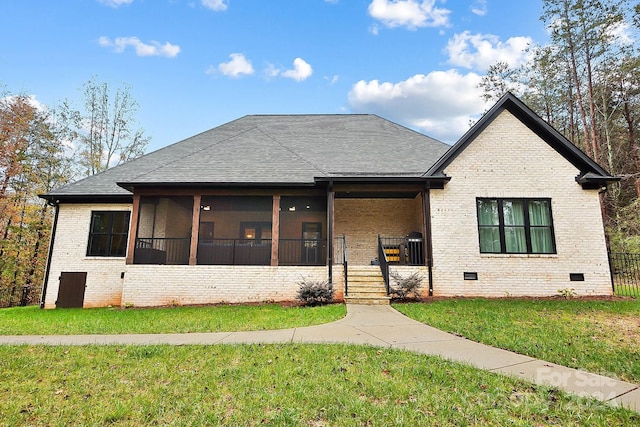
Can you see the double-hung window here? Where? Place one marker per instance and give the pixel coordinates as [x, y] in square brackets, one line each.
[108, 233]
[515, 226]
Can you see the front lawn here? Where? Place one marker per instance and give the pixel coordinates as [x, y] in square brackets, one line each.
[285, 384]
[600, 336]
[221, 318]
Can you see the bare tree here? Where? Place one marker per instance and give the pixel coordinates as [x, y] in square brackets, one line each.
[104, 130]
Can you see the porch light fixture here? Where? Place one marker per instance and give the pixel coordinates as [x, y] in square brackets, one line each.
[308, 207]
[292, 209]
[206, 208]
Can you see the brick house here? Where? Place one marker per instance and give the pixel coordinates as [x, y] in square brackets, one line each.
[244, 211]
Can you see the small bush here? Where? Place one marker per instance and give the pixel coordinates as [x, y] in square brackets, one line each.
[567, 293]
[406, 287]
[313, 293]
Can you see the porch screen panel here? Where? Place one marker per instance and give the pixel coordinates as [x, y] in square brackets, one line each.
[239, 230]
[164, 230]
[303, 231]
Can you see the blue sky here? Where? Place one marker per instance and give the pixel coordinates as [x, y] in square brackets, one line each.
[196, 64]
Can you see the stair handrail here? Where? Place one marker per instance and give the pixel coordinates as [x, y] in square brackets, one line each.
[384, 264]
[345, 263]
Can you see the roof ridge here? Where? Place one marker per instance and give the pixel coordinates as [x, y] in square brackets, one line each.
[190, 153]
[319, 169]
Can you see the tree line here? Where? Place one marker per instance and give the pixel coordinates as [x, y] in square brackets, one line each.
[43, 148]
[586, 83]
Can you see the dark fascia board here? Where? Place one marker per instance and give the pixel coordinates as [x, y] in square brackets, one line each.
[428, 181]
[86, 198]
[261, 185]
[545, 131]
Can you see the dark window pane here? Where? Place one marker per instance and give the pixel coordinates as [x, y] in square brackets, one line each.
[100, 222]
[541, 240]
[515, 226]
[539, 212]
[120, 222]
[108, 233]
[99, 245]
[118, 245]
[513, 212]
[490, 240]
[515, 240]
[488, 212]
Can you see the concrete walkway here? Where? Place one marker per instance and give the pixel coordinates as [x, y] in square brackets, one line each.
[385, 327]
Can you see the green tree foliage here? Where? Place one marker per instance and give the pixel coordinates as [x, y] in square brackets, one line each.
[32, 162]
[42, 149]
[586, 83]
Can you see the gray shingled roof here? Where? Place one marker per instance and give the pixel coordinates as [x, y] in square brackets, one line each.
[274, 150]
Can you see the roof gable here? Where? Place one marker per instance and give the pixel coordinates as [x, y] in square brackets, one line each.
[591, 174]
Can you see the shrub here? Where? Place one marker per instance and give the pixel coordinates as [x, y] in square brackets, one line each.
[315, 292]
[406, 287]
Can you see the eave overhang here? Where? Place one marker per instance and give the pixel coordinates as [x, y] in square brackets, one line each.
[56, 199]
[592, 181]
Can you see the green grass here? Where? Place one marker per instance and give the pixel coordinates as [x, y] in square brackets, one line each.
[597, 336]
[35, 321]
[296, 385]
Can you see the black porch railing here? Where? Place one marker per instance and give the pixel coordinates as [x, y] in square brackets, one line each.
[162, 250]
[234, 252]
[625, 273]
[340, 251]
[384, 263]
[403, 250]
[302, 252]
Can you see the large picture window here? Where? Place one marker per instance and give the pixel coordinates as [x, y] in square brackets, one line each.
[515, 226]
[108, 233]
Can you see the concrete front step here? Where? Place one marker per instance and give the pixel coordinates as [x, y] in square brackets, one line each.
[366, 286]
[362, 300]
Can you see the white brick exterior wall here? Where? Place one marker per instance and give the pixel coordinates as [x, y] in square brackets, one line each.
[361, 220]
[155, 285]
[508, 160]
[104, 285]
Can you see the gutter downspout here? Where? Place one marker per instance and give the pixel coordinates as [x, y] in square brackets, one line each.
[428, 237]
[330, 196]
[50, 255]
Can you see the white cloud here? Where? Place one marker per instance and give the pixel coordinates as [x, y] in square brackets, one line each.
[479, 51]
[119, 44]
[30, 100]
[332, 80]
[301, 70]
[479, 7]
[441, 103]
[236, 67]
[271, 71]
[408, 13]
[621, 33]
[115, 3]
[216, 5]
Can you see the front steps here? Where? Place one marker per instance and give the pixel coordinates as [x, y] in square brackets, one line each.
[366, 286]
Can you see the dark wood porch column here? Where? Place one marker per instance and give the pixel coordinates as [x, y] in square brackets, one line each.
[330, 211]
[133, 229]
[195, 229]
[275, 230]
